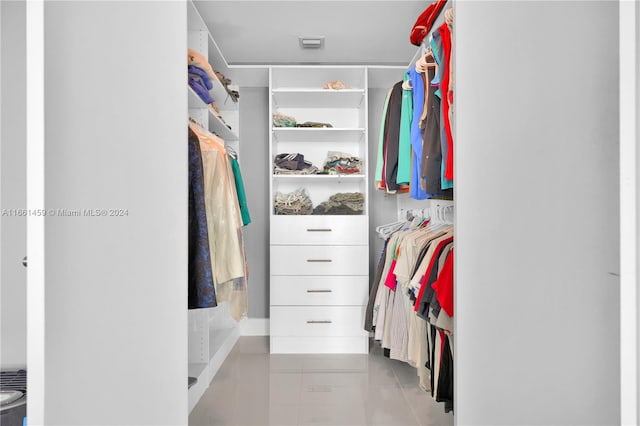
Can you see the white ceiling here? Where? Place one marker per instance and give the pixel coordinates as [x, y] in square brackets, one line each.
[265, 32]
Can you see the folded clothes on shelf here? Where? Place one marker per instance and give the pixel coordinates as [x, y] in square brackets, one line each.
[293, 203]
[314, 124]
[293, 164]
[197, 72]
[342, 163]
[196, 84]
[281, 120]
[342, 203]
[199, 65]
[196, 59]
[335, 85]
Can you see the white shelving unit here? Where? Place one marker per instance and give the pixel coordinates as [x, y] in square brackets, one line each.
[212, 331]
[200, 40]
[199, 110]
[302, 134]
[319, 263]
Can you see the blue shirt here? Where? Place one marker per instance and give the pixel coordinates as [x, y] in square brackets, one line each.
[416, 192]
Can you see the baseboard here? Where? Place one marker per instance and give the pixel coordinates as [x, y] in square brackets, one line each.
[254, 327]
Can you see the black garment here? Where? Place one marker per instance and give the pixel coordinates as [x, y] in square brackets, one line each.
[292, 162]
[423, 252]
[445, 378]
[428, 298]
[202, 292]
[432, 332]
[392, 137]
[431, 142]
[373, 289]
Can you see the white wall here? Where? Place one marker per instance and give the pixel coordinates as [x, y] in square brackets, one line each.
[254, 163]
[13, 179]
[115, 345]
[537, 287]
[637, 185]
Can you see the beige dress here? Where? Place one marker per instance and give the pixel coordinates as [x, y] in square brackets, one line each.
[225, 224]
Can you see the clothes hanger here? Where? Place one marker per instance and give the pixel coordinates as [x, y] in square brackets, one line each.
[196, 122]
[231, 152]
[205, 135]
[385, 231]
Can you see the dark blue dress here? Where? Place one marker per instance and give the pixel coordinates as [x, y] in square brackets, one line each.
[202, 293]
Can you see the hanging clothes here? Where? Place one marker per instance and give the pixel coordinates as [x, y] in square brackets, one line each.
[412, 315]
[414, 138]
[240, 192]
[404, 137]
[379, 174]
[416, 189]
[224, 224]
[201, 287]
[431, 166]
[392, 138]
[444, 88]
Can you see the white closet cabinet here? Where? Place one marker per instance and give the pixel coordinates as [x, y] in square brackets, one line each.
[319, 263]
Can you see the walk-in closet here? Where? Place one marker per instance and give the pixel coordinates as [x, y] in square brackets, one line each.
[365, 212]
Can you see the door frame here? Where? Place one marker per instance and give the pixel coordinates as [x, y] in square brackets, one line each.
[629, 183]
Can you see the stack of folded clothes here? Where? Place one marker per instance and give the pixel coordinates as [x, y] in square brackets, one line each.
[293, 164]
[335, 85]
[350, 203]
[340, 163]
[281, 120]
[293, 203]
[200, 82]
[315, 124]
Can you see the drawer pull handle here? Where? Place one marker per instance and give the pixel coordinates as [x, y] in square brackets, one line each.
[319, 291]
[319, 260]
[319, 229]
[319, 322]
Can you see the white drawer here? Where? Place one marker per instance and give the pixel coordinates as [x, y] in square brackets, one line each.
[319, 230]
[319, 290]
[319, 260]
[321, 345]
[317, 321]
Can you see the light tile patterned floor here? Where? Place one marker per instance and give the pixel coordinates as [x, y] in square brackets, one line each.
[254, 387]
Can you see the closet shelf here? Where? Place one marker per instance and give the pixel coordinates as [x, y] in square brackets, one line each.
[319, 177]
[196, 24]
[222, 98]
[196, 369]
[218, 337]
[318, 98]
[309, 134]
[215, 124]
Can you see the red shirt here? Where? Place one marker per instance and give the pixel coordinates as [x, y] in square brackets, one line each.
[427, 274]
[445, 35]
[444, 285]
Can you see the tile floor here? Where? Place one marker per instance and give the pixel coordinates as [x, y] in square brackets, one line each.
[256, 388]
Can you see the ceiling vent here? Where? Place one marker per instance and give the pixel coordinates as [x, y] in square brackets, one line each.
[311, 42]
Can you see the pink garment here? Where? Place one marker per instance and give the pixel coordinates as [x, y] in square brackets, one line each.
[391, 281]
